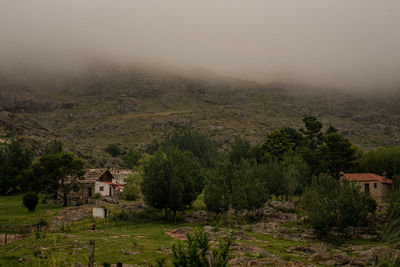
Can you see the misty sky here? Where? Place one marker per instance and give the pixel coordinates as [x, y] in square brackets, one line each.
[347, 43]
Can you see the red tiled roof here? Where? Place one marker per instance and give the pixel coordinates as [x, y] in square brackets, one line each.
[111, 183]
[359, 177]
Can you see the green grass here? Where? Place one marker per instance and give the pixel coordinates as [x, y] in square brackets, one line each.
[12, 211]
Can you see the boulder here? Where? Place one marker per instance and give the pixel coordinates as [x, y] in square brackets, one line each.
[180, 233]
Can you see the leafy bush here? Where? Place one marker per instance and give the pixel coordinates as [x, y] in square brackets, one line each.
[197, 252]
[30, 201]
[131, 192]
[331, 203]
[391, 231]
[97, 196]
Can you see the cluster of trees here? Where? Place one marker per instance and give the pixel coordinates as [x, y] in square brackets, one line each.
[53, 173]
[305, 162]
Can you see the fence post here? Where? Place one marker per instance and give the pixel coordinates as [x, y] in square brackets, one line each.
[91, 254]
[5, 239]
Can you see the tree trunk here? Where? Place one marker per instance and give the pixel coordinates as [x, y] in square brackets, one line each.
[65, 199]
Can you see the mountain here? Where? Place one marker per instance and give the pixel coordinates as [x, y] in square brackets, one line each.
[133, 106]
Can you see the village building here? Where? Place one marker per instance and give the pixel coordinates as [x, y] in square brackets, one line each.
[376, 186]
[107, 183]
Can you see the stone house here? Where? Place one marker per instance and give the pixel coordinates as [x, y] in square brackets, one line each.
[105, 182]
[376, 186]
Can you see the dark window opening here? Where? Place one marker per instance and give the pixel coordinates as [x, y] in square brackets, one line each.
[101, 188]
[366, 188]
[375, 185]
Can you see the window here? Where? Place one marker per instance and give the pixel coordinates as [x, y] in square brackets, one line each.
[375, 185]
[101, 188]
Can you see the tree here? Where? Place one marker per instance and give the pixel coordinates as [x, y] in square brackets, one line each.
[30, 201]
[278, 143]
[296, 174]
[54, 147]
[14, 159]
[240, 149]
[332, 203]
[55, 173]
[113, 150]
[218, 188]
[312, 131]
[382, 160]
[131, 159]
[336, 153]
[249, 191]
[172, 180]
[201, 146]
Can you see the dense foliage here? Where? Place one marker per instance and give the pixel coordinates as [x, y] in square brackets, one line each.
[332, 203]
[14, 159]
[172, 180]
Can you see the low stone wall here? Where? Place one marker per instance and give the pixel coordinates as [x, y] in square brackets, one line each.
[9, 238]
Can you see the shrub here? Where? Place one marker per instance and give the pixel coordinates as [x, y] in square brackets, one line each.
[331, 203]
[97, 196]
[30, 201]
[130, 192]
[197, 252]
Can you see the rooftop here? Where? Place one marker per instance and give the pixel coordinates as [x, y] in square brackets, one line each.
[360, 177]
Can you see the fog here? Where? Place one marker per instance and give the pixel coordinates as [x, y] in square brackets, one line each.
[344, 43]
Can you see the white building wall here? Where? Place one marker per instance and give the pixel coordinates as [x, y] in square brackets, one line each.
[107, 188]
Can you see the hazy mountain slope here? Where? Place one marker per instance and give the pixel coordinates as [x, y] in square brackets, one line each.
[89, 111]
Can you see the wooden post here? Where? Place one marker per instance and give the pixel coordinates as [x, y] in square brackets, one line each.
[91, 254]
[5, 239]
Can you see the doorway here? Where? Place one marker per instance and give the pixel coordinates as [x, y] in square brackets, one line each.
[366, 188]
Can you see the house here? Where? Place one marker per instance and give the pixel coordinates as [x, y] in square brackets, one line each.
[105, 182]
[107, 185]
[376, 186]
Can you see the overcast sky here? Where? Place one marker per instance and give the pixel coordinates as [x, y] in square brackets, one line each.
[348, 43]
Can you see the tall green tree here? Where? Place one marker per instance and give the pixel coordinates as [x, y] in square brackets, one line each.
[218, 187]
[336, 153]
[249, 191]
[14, 159]
[172, 180]
[55, 174]
[312, 131]
[241, 150]
[278, 143]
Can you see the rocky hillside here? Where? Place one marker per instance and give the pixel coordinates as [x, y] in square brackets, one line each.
[132, 107]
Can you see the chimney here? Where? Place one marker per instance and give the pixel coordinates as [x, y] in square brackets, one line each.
[341, 176]
[384, 176]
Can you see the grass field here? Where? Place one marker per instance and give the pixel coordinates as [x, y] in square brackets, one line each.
[12, 211]
[139, 241]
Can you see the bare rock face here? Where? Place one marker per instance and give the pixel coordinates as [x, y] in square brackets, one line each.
[199, 216]
[245, 248]
[282, 205]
